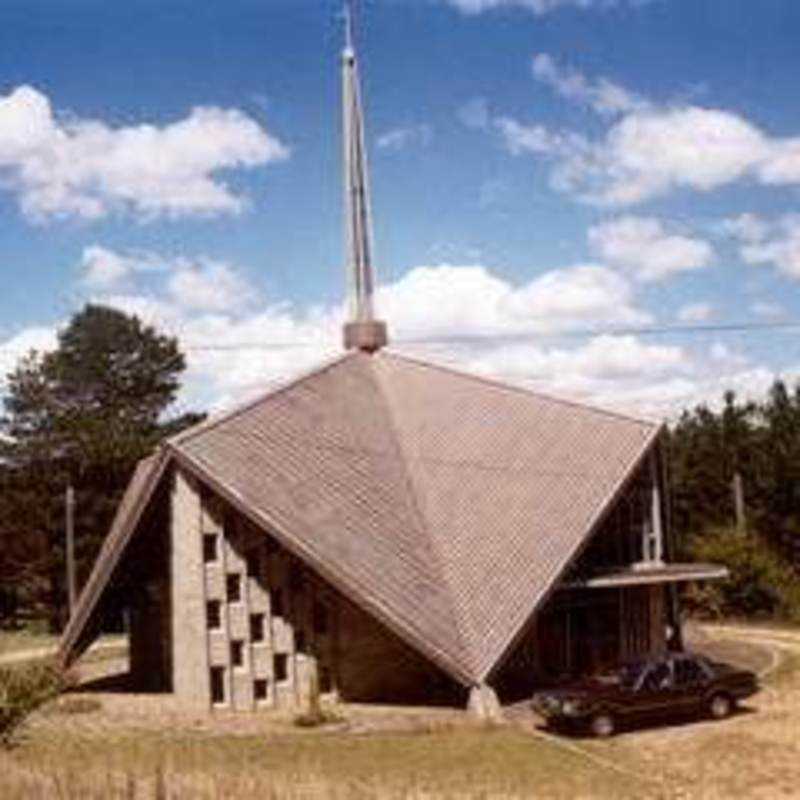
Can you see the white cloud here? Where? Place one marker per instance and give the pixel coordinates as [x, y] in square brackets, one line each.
[400, 138]
[440, 307]
[604, 357]
[783, 165]
[104, 269]
[210, 286]
[471, 301]
[642, 246]
[775, 242]
[72, 167]
[200, 284]
[695, 312]
[465, 316]
[649, 153]
[475, 113]
[601, 95]
[649, 150]
[767, 309]
[35, 338]
[538, 7]
[746, 227]
[536, 139]
[621, 373]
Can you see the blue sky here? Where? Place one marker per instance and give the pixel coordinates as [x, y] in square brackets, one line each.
[547, 175]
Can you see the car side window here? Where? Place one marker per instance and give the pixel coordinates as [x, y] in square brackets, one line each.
[658, 677]
[688, 672]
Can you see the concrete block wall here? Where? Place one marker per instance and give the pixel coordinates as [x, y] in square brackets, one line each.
[190, 674]
[311, 632]
[247, 556]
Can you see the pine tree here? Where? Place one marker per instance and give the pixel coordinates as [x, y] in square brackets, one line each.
[84, 414]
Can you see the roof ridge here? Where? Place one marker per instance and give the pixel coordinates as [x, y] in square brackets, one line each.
[408, 461]
[351, 582]
[242, 408]
[500, 384]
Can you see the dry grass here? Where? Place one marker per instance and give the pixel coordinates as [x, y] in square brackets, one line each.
[19, 641]
[755, 754]
[466, 763]
[139, 747]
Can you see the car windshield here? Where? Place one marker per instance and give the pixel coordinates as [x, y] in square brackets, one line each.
[629, 674]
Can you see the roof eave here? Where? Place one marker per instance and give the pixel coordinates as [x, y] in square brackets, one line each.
[492, 663]
[107, 561]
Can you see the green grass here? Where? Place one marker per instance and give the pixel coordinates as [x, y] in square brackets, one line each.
[468, 763]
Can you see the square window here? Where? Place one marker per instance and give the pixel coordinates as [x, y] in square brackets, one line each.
[209, 547]
[217, 684]
[213, 614]
[281, 666]
[233, 586]
[276, 602]
[237, 653]
[260, 689]
[256, 627]
[253, 563]
[296, 579]
[319, 617]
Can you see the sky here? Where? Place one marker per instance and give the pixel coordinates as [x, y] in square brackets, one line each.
[555, 183]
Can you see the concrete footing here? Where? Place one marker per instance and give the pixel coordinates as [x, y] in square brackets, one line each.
[483, 704]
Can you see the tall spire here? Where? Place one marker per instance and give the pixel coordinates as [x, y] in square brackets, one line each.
[362, 330]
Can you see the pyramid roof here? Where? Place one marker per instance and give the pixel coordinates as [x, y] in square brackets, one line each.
[446, 505]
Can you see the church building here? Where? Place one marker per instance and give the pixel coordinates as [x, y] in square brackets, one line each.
[383, 529]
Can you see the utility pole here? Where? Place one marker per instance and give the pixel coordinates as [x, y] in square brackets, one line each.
[70, 549]
[738, 502]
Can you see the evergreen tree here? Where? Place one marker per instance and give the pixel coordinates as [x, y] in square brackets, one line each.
[83, 415]
[760, 442]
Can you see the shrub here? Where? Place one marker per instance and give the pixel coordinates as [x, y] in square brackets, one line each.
[315, 715]
[23, 689]
[760, 584]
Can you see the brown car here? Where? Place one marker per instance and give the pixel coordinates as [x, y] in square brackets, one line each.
[675, 684]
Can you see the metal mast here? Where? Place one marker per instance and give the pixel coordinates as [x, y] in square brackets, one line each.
[362, 330]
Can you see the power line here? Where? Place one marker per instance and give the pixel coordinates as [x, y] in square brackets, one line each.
[488, 338]
[580, 333]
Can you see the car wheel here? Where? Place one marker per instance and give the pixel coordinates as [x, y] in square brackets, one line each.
[720, 706]
[602, 725]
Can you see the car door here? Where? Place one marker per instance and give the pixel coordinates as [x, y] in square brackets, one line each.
[654, 694]
[691, 681]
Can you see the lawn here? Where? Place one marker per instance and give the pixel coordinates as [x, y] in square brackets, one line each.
[463, 763]
[111, 745]
[18, 641]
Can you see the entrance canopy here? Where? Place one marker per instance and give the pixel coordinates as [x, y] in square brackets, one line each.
[640, 575]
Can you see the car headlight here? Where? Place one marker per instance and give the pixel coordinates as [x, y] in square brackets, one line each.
[571, 708]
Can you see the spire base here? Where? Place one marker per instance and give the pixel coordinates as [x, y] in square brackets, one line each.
[367, 336]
